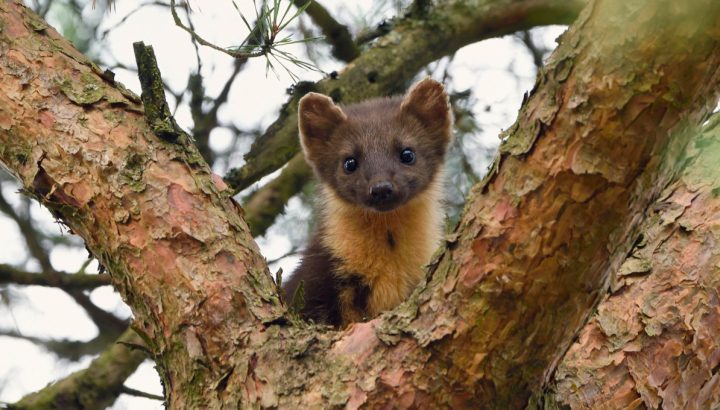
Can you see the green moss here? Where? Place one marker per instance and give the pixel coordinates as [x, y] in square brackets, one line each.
[133, 169]
[193, 156]
[298, 301]
[66, 210]
[157, 112]
[563, 69]
[127, 93]
[21, 150]
[37, 25]
[112, 117]
[113, 100]
[259, 280]
[88, 91]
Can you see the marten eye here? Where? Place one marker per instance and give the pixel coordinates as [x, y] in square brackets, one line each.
[350, 165]
[407, 156]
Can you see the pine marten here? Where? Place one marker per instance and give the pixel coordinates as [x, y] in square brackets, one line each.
[379, 164]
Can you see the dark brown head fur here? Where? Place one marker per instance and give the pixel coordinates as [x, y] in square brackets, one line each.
[375, 134]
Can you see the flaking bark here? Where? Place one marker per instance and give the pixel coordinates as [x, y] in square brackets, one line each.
[595, 143]
[598, 139]
[654, 340]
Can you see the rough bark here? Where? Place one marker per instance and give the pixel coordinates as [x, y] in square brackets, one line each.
[595, 142]
[654, 340]
[148, 209]
[414, 43]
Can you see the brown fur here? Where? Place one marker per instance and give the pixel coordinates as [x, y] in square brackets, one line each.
[367, 253]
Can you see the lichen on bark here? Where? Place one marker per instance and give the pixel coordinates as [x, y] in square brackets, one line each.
[532, 255]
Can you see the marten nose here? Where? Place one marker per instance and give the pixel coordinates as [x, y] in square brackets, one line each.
[381, 190]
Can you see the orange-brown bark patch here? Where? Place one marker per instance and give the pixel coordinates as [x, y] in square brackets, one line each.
[6, 119]
[46, 118]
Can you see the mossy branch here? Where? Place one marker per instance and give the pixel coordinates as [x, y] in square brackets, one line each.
[264, 205]
[336, 34]
[157, 112]
[65, 281]
[93, 388]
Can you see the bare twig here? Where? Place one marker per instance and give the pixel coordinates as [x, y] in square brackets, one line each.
[139, 393]
[32, 236]
[265, 33]
[292, 252]
[536, 51]
[121, 22]
[206, 43]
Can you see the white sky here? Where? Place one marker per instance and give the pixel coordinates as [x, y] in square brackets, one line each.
[499, 71]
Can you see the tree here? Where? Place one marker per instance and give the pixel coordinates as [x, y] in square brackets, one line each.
[578, 185]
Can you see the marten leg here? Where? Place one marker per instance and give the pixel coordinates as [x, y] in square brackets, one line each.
[353, 297]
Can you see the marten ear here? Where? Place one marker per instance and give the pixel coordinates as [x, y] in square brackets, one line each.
[428, 101]
[318, 117]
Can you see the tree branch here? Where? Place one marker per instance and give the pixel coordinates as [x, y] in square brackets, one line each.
[336, 34]
[598, 136]
[383, 70]
[196, 37]
[557, 215]
[384, 27]
[205, 122]
[64, 281]
[31, 236]
[96, 387]
[138, 393]
[263, 206]
[104, 320]
[71, 349]
[536, 52]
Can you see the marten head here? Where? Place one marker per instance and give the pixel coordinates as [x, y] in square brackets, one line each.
[382, 152]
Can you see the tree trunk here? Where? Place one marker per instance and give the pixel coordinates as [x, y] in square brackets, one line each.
[654, 340]
[597, 140]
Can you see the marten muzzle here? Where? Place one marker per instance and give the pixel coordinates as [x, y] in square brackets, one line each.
[381, 191]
